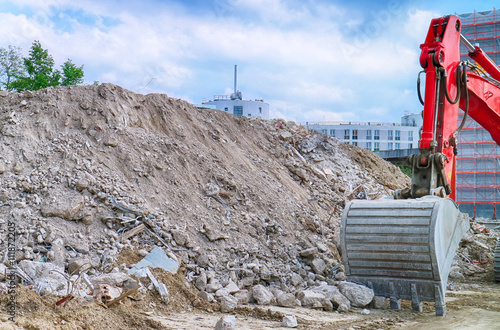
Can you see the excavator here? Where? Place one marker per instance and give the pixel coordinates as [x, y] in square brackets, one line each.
[403, 246]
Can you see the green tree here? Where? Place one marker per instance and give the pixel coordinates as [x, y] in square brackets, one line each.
[40, 71]
[11, 66]
[72, 75]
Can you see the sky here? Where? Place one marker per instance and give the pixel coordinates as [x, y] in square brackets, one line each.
[311, 60]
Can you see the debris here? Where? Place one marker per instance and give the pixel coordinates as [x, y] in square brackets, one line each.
[226, 323]
[290, 321]
[132, 232]
[228, 304]
[156, 258]
[162, 288]
[262, 295]
[358, 295]
[106, 293]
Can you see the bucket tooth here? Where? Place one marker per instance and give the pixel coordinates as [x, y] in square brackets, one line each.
[402, 249]
[416, 304]
[395, 302]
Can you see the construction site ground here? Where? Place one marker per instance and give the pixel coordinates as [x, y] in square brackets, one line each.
[94, 178]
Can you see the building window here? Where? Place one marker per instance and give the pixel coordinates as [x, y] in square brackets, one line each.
[355, 144]
[389, 146]
[369, 145]
[376, 146]
[238, 110]
[323, 131]
[347, 134]
[260, 110]
[369, 134]
[410, 136]
[411, 145]
[226, 109]
[376, 135]
[414, 123]
[389, 135]
[354, 134]
[398, 135]
[249, 115]
[332, 132]
[398, 146]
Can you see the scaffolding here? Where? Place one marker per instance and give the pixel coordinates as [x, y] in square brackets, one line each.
[478, 159]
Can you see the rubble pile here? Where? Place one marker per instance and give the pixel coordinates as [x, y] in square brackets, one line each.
[93, 178]
[475, 255]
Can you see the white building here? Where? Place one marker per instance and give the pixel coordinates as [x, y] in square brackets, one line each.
[374, 136]
[235, 104]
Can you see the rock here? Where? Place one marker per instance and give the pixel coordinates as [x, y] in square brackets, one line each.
[2, 167]
[180, 237]
[296, 279]
[76, 265]
[3, 271]
[333, 294]
[82, 184]
[115, 279]
[322, 247]
[64, 206]
[4, 93]
[226, 323]
[265, 273]
[58, 255]
[340, 276]
[213, 287]
[358, 295]
[201, 282]
[80, 245]
[211, 189]
[130, 283]
[247, 281]
[231, 287]
[287, 300]
[262, 295]
[206, 296]
[380, 302]
[327, 305]
[221, 293]
[365, 312]
[285, 135]
[290, 321]
[242, 296]
[318, 265]
[308, 253]
[38, 270]
[343, 308]
[308, 298]
[110, 141]
[18, 168]
[203, 260]
[228, 304]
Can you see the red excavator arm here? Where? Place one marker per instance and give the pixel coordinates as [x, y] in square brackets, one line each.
[403, 248]
[447, 87]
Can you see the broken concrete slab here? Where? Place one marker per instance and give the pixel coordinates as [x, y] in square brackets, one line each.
[64, 206]
[156, 258]
[358, 295]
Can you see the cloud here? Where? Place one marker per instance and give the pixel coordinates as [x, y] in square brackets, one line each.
[310, 60]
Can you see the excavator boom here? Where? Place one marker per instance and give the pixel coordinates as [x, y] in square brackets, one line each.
[403, 247]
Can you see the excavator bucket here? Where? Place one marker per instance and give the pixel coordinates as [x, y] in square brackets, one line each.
[402, 248]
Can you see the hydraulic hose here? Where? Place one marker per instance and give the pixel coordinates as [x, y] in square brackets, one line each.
[457, 81]
[466, 91]
[418, 88]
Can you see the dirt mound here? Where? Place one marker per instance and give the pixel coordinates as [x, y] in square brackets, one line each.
[235, 198]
